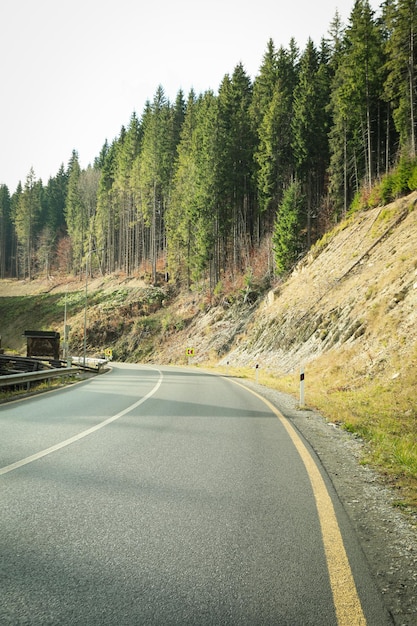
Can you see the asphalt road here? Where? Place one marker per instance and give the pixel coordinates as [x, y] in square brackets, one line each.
[170, 496]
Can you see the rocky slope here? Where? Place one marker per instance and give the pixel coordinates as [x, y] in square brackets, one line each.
[355, 291]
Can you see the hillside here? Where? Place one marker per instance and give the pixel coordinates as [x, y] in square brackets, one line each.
[354, 295]
[347, 313]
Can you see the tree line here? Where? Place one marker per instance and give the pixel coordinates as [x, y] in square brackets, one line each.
[192, 188]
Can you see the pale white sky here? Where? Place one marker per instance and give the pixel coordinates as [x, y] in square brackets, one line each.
[73, 71]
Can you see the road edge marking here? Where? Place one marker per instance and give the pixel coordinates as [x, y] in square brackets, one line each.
[346, 600]
[89, 431]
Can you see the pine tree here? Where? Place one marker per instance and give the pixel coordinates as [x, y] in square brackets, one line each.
[88, 189]
[101, 159]
[25, 219]
[155, 170]
[310, 126]
[5, 231]
[338, 187]
[181, 217]
[286, 237]
[400, 19]
[179, 111]
[236, 142]
[14, 257]
[128, 148]
[75, 215]
[264, 86]
[192, 219]
[106, 222]
[356, 99]
[274, 154]
[53, 208]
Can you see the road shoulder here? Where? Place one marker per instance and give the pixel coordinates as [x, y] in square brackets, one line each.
[387, 537]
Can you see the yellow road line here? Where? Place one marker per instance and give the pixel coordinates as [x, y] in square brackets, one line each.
[345, 596]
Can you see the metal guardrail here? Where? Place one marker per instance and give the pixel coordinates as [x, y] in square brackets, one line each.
[90, 363]
[29, 377]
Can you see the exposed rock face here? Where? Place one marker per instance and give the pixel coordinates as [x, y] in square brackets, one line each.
[358, 288]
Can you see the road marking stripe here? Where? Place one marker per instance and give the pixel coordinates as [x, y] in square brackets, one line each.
[81, 435]
[345, 596]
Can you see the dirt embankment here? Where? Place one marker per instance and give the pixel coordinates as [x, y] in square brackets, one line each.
[358, 288]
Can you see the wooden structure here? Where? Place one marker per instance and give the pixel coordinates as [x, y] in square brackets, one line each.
[42, 343]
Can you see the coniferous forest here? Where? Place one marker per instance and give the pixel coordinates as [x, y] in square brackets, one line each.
[192, 189]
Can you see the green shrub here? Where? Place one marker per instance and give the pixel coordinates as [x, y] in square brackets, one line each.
[401, 176]
[387, 189]
[412, 181]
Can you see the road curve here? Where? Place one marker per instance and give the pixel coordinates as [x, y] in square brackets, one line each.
[170, 496]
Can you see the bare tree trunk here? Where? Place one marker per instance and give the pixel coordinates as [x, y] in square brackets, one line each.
[411, 88]
[153, 237]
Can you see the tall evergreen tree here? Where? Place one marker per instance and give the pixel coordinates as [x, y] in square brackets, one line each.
[264, 85]
[5, 231]
[179, 110]
[181, 219]
[155, 171]
[88, 188]
[100, 160]
[355, 102]
[14, 257]
[235, 167]
[206, 237]
[400, 19]
[25, 219]
[106, 222]
[75, 215]
[274, 154]
[310, 127]
[338, 163]
[192, 218]
[55, 194]
[127, 151]
[287, 241]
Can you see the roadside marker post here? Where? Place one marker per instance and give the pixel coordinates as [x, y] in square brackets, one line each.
[189, 353]
[302, 376]
[257, 372]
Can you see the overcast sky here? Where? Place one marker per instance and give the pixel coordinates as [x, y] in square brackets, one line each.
[73, 71]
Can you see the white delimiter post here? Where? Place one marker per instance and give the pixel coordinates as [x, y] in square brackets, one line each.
[302, 386]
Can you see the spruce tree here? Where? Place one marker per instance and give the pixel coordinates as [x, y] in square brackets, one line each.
[106, 222]
[181, 217]
[5, 231]
[274, 155]
[356, 100]
[25, 219]
[310, 126]
[400, 19]
[287, 241]
[75, 215]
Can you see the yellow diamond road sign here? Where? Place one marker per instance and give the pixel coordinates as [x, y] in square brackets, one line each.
[189, 352]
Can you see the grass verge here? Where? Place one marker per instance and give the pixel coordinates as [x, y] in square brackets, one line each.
[383, 413]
